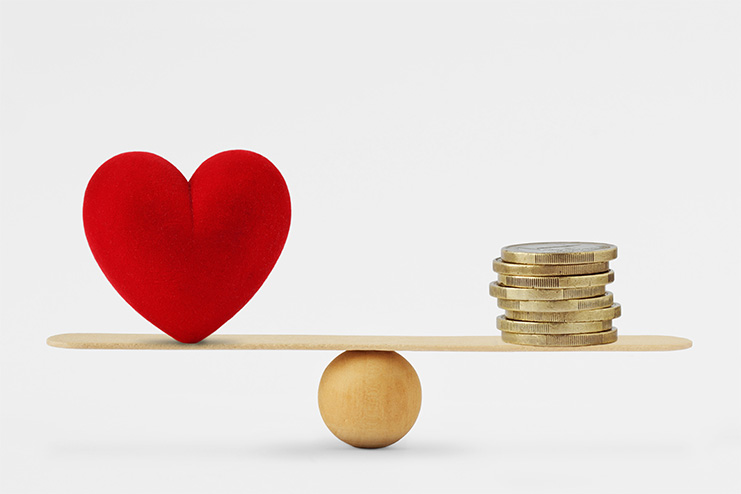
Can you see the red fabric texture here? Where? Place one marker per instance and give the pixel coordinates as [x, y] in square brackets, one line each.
[187, 255]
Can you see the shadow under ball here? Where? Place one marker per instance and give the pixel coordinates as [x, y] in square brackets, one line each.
[369, 399]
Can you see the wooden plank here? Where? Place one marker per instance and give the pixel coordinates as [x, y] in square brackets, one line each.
[110, 341]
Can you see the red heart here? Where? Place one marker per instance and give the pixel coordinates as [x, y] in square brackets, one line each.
[187, 255]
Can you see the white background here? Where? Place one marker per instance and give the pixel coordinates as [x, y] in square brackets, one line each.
[417, 139]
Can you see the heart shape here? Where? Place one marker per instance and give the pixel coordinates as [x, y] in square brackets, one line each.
[187, 255]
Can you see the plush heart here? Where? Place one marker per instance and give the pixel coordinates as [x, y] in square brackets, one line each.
[187, 255]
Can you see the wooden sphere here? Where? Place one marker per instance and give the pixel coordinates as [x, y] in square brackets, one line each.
[369, 399]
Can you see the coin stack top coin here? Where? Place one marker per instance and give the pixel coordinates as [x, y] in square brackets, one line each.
[553, 293]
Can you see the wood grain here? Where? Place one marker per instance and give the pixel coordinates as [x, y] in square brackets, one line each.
[127, 341]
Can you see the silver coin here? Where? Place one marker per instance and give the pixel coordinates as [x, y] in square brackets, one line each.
[558, 252]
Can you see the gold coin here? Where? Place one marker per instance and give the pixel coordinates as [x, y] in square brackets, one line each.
[529, 327]
[558, 253]
[502, 267]
[499, 291]
[604, 314]
[556, 305]
[557, 281]
[600, 338]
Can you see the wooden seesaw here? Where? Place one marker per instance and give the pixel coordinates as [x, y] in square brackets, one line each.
[369, 396]
[207, 244]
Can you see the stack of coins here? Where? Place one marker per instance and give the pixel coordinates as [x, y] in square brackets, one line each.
[553, 294]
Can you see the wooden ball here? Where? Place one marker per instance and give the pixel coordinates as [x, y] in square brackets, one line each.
[369, 399]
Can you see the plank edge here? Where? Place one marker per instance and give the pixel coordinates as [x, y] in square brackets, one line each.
[493, 343]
